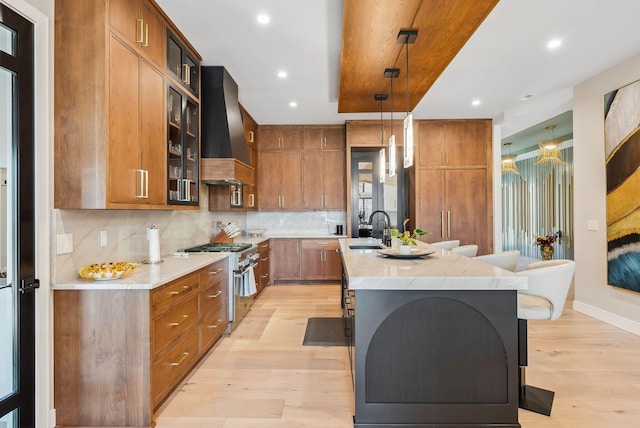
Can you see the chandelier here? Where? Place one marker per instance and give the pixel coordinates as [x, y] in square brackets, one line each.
[509, 163]
[550, 151]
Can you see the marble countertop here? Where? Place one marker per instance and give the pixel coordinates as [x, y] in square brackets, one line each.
[147, 276]
[368, 270]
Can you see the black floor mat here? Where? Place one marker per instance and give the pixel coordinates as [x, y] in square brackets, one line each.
[325, 332]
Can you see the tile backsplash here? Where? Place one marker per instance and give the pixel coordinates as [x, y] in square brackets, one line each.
[127, 232]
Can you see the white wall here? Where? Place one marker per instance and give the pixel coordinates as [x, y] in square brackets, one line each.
[592, 294]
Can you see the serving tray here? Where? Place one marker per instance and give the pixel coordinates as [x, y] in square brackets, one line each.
[393, 253]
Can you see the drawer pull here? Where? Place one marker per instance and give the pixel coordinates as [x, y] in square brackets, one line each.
[266, 259]
[213, 296]
[185, 288]
[181, 360]
[265, 276]
[175, 324]
[217, 271]
[215, 325]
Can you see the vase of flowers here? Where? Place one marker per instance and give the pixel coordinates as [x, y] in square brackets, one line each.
[407, 237]
[546, 246]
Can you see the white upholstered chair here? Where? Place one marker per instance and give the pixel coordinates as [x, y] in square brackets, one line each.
[466, 250]
[507, 260]
[544, 299]
[447, 245]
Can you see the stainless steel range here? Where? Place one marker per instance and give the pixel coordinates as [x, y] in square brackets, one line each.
[242, 260]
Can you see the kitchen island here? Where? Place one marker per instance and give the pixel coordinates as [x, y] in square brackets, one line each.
[435, 339]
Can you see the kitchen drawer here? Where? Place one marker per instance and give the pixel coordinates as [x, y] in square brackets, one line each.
[213, 325]
[168, 370]
[172, 293]
[215, 275]
[319, 244]
[212, 300]
[175, 322]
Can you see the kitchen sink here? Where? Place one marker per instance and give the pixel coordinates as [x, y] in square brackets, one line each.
[371, 246]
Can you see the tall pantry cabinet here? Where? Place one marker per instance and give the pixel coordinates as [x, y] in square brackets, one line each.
[452, 191]
[110, 105]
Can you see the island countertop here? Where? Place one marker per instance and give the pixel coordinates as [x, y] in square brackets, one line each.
[367, 269]
[147, 276]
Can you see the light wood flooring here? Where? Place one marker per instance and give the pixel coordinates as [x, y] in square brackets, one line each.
[262, 375]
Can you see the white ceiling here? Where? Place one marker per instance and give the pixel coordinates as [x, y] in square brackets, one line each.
[504, 60]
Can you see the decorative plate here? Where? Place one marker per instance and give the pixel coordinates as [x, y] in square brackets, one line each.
[416, 253]
[107, 271]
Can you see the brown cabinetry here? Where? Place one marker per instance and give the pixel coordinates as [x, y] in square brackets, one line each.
[453, 193]
[119, 353]
[280, 137]
[319, 259]
[367, 133]
[323, 137]
[110, 130]
[138, 22]
[285, 260]
[323, 175]
[280, 180]
[264, 265]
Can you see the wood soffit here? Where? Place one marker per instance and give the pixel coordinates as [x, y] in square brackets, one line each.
[369, 46]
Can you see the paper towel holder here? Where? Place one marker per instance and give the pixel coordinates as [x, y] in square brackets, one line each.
[148, 259]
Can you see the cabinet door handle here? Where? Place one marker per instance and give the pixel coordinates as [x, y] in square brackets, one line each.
[177, 363]
[442, 223]
[186, 77]
[185, 288]
[146, 183]
[213, 296]
[252, 200]
[448, 224]
[215, 325]
[146, 36]
[282, 201]
[177, 323]
[140, 32]
[140, 173]
[215, 272]
[297, 247]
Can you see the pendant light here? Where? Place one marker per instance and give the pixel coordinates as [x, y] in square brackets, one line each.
[406, 37]
[550, 151]
[392, 73]
[509, 163]
[383, 159]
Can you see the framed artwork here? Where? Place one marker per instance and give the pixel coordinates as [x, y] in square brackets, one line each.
[622, 153]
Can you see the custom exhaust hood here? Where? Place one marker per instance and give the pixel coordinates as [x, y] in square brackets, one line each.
[225, 158]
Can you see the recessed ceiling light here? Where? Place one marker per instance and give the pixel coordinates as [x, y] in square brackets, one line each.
[282, 74]
[263, 18]
[554, 43]
[293, 104]
[475, 103]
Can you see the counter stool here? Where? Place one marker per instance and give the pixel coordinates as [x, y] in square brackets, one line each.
[466, 250]
[544, 299]
[507, 260]
[447, 245]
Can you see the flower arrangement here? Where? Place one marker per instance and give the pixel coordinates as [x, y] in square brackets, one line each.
[406, 236]
[546, 241]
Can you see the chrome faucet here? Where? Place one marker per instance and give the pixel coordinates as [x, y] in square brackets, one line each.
[386, 235]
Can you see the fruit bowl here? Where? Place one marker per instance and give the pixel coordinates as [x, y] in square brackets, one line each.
[107, 271]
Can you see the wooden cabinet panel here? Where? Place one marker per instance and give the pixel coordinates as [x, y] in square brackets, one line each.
[280, 137]
[169, 369]
[464, 143]
[270, 180]
[264, 250]
[323, 138]
[291, 180]
[323, 179]
[171, 294]
[333, 264]
[334, 183]
[174, 323]
[467, 211]
[281, 180]
[285, 262]
[431, 205]
[312, 263]
[334, 138]
[139, 24]
[367, 133]
[318, 259]
[312, 180]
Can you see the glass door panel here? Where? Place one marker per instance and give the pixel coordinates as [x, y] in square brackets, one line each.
[174, 57]
[194, 75]
[190, 153]
[174, 131]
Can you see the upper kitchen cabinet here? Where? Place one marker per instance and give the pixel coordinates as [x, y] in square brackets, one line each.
[454, 143]
[323, 138]
[280, 137]
[323, 180]
[182, 65]
[139, 23]
[280, 180]
[366, 133]
[111, 105]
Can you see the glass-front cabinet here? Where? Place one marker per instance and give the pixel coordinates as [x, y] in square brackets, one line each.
[182, 65]
[183, 135]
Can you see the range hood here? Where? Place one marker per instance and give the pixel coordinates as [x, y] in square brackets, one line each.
[225, 158]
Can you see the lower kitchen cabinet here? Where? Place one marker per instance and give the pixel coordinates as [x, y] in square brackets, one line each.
[119, 353]
[285, 263]
[305, 259]
[264, 264]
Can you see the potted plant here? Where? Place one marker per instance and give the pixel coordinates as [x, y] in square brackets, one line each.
[407, 238]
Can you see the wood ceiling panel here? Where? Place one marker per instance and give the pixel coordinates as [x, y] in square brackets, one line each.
[369, 45]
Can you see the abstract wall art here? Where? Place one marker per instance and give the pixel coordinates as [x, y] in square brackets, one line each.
[622, 153]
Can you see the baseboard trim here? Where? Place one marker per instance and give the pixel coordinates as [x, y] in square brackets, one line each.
[608, 317]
